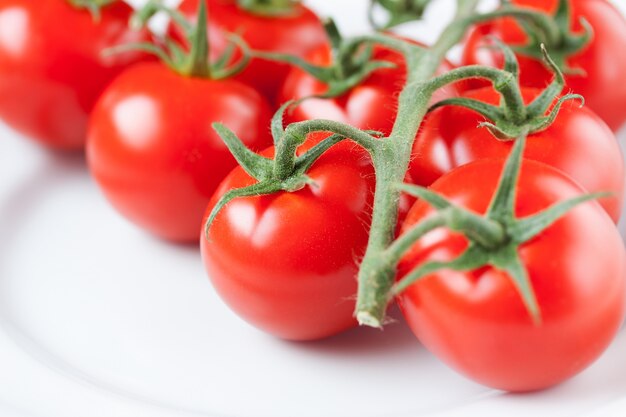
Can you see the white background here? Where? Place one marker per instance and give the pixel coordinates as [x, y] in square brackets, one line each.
[99, 319]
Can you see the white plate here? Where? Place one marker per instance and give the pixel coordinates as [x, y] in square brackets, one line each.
[100, 319]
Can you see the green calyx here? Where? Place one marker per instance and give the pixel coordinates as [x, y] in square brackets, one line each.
[398, 12]
[286, 171]
[512, 118]
[494, 238]
[190, 59]
[351, 63]
[269, 8]
[93, 6]
[552, 31]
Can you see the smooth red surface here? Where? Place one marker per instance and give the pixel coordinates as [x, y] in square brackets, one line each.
[370, 105]
[579, 143]
[287, 262]
[296, 34]
[602, 60]
[476, 322]
[52, 69]
[152, 149]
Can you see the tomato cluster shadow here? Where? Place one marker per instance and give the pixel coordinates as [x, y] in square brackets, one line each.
[393, 339]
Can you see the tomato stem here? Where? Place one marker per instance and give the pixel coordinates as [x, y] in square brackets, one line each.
[365, 139]
[198, 60]
[391, 161]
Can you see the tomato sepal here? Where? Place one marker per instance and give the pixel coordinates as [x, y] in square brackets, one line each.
[286, 171]
[92, 6]
[542, 29]
[351, 64]
[494, 239]
[191, 61]
[512, 118]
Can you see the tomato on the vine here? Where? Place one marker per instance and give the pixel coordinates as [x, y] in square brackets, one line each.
[370, 105]
[287, 262]
[52, 69]
[152, 149]
[476, 321]
[295, 32]
[578, 143]
[600, 66]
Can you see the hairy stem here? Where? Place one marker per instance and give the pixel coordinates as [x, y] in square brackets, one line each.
[391, 162]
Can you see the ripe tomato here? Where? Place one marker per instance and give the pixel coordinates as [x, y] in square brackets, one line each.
[370, 105]
[295, 33]
[51, 65]
[476, 321]
[578, 143]
[152, 149]
[287, 262]
[602, 86]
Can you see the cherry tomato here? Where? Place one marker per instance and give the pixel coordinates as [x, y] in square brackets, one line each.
[476, 321]
[602, 82]
[578, 143]
[287, 262]
[295, 33]
[152, 149]
[51, 65]
[370, 105]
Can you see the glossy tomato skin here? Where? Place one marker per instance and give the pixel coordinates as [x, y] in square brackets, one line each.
[370, 105]
[578, 143]
[296, 33]
[287, 262]
[52, 69]
[476, 321]
[152, 149]
[602, 86]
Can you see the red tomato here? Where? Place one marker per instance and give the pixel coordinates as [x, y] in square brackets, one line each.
[287, 262]
[477, 323]
[51, 65]
[296, 33]
[371, 105]
[578, 143]
[602, 86]
[152, 149]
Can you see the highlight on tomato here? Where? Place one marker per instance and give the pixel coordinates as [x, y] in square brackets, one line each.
[52, 69]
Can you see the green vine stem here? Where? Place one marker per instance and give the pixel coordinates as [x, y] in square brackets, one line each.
[351, 62]
[391, 161]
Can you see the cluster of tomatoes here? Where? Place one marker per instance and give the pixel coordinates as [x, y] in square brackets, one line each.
[287, 262]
